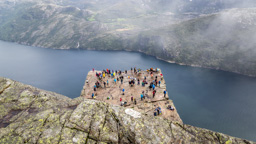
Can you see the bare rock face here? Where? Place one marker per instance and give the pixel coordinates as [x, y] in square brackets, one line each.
[31, 115]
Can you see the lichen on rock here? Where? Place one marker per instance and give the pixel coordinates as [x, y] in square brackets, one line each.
[47, 117]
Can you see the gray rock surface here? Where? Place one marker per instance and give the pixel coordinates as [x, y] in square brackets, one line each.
[31, 115]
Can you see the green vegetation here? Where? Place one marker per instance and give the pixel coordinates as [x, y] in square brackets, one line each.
[221, 41]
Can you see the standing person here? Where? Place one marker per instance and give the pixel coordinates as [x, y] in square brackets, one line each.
[164, 93]
[159, 83]
[135, 102]
[115, 81]
[93, 69]
[153, 87]
[92, 95]
[132, 98]
[123, 91]
[107, 82]
[120, 99]
[104, 84]
[121, 81]
[154, 93]
[141, 96]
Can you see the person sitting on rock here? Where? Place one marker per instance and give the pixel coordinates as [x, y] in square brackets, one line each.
[170, 107]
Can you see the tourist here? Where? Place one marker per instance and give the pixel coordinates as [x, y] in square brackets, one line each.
[135, 102]
[141, 96]
[159, 83]
[154, 93]
[132, 98]
[164, 93]
[123, 91]
[107, 82]
[104, 84]
[92, 95]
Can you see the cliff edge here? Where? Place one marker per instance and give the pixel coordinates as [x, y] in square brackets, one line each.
[31, 115]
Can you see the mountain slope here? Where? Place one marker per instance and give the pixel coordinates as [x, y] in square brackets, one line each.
[223, 40]
[31, 115]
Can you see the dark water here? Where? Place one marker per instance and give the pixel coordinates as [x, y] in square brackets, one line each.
[216, 100]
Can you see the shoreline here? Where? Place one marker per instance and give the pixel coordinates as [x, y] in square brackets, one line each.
[141, 52]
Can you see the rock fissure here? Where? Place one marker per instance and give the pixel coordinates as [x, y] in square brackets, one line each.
[61, 131]
[90, 126]
[5, 88]
[41, 132]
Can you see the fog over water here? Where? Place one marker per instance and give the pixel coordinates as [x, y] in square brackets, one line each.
[216, 100]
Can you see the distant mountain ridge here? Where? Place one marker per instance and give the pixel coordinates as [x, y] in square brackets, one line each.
[196, 32]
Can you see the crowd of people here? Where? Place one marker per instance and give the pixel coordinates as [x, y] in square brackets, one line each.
[117, 77]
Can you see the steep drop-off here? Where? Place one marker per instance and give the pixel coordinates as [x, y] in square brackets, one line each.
[31, 115]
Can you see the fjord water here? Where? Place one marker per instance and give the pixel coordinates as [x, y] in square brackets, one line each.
[216, 100]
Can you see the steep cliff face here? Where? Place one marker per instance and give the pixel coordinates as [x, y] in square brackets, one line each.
[31, 115]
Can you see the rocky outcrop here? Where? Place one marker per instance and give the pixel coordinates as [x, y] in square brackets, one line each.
[31, 115]
[111, 93]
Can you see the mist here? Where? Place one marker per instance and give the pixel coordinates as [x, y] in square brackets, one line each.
[207, 33]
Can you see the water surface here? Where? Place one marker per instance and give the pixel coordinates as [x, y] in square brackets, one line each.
[216, 100]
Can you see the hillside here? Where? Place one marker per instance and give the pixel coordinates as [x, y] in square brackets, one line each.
[31, 115]
[198, 33]
[223, 41]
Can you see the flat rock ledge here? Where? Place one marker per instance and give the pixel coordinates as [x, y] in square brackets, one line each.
[31, 115]
[113, 91]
